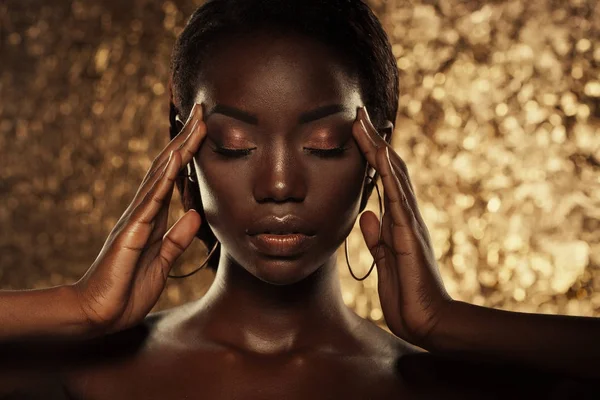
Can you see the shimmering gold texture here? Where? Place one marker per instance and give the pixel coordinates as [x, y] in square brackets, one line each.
[498, 123]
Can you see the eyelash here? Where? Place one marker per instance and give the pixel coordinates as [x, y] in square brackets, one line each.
[328, 153]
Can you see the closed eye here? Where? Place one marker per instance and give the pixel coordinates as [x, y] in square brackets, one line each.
[328, 153]
[323, 153]
[231, 152]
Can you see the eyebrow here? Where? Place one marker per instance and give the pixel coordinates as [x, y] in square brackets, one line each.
[309, 116]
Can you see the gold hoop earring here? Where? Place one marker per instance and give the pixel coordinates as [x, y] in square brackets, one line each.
[378, 241]
[345, 247]
[198, 269]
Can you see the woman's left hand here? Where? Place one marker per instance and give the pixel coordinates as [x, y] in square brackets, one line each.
[413, 297]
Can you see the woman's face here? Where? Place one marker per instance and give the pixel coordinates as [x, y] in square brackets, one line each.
[275, 82]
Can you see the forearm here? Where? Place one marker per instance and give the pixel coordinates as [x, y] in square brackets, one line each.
[40, 313]
[559, 343]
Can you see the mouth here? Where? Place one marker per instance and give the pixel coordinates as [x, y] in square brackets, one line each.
[280, 233]
[285, 225]
[282, 245]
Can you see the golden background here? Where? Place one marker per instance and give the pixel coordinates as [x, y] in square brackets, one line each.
[498, 123]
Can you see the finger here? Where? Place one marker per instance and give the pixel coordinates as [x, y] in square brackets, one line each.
[195, 117]
[160, 222]
[368, 137]
[369, 141]
[374, 148]
[365, 142]
[177, 142]
[190, 147]
[157, 197]
[133, 238]
[186, 147]
[178, 239]
[377, 140]
[403, 223]
[369, 226]
[147, 258]
[160, 160]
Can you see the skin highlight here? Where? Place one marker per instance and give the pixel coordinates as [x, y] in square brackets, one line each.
[279, 328]
[282, 298]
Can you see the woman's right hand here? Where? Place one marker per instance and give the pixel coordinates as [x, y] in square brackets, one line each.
[128, 276]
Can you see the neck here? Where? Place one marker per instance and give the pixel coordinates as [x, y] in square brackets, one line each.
[241, 311]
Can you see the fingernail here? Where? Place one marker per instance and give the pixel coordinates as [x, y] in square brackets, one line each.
[193, 130]
[364, 108]
[193, 114]
[166, 167]
[366, 132]
[198, 110]
[364, 128]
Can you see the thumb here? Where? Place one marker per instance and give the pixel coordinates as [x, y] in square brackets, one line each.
[369, 226]
[178, 238]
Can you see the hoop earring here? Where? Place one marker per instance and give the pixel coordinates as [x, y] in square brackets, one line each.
[345, 246]
[197, 269]
[378, 241]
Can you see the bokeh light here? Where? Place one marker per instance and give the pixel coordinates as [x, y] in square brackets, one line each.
[498, 124]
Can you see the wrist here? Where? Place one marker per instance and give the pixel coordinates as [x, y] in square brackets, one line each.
[64, 315]
[81, 326]
[430, 341]
[75, 321]
[41, 313]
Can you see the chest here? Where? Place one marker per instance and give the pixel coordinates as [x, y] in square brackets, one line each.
[185, 374]
[230, 376]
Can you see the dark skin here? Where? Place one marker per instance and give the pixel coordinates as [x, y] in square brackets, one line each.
[264, 317]
[276, 328]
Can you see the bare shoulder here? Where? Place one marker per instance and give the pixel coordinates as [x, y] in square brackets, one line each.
[114, 357]
[435, 376]
[31, 386]
[382, 343]
[419, 373]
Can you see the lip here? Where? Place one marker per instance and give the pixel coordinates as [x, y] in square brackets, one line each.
[281, 225]
[281, 245]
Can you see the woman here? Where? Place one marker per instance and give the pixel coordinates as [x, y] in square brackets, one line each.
[290, 109]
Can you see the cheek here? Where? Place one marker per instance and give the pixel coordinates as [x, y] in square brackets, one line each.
[333, 192]
[224, 196]
[342, 187]
[339, 191]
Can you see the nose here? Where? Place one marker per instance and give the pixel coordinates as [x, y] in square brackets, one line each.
[280, 177]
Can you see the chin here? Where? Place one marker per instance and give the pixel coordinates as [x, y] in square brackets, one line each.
[282, 271]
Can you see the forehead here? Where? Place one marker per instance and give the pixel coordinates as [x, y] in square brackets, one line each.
[280, 71]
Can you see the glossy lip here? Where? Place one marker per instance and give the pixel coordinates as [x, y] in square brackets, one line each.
[287, 224]
[281, 245]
